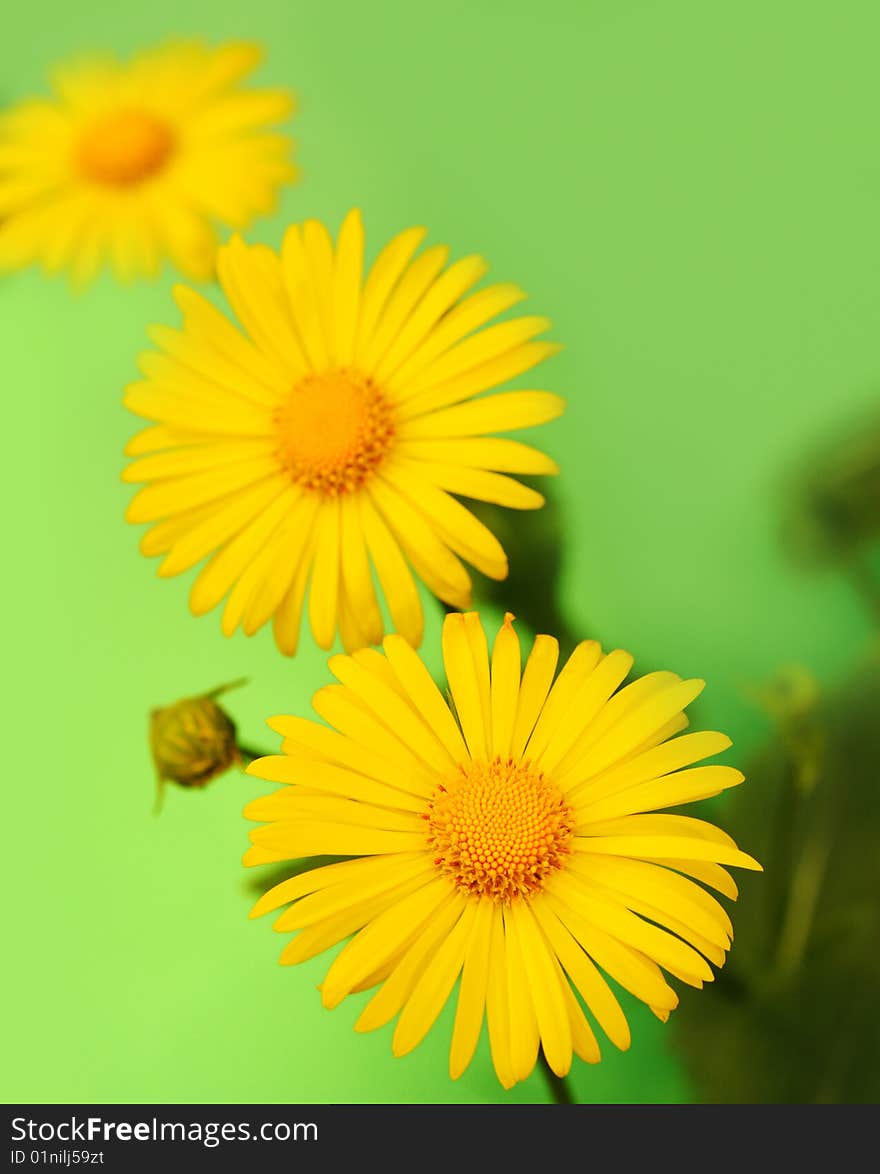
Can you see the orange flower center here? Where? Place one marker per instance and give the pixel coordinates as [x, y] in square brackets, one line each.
[335, 430]
[123, 148]
[499, 828]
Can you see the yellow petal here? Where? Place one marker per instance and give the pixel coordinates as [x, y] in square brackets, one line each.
[398, 715]
[394, 574]
[524, 1032]
[472, 991]
[416, 949]
[380, 938]
[383, 278]
[427, 699]
[347, 278]
[324, 590]
[322, 776]
[497, 1002]
[506, 668]
[434, 985]
[536, 680]
[464, 684]
[546, 989]
[592, 986]
[685, 786]
[504, 412]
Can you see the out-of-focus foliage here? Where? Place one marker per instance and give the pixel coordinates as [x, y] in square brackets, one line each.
[833, 497]
[792, 1018]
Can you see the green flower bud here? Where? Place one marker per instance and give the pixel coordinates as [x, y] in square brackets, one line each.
[192, 741]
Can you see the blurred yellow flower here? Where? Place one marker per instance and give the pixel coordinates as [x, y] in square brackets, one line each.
[131, 163]
[503, 837]
[324, 444]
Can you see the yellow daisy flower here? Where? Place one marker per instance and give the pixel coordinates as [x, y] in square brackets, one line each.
[322, 443]
[130, 163]
[508, 837]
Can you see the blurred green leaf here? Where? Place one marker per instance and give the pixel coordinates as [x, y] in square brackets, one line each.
[792, 1017]
[833, 498]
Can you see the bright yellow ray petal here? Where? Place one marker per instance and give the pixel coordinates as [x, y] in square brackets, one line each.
[434, 985]
[302, 299]
[682, 847]
[506, 668]
[357, 576]
[661, 888]
[592, 986]
[252, 281]
[349, 873]
[380, 938]
[625, 965]
[346, 293]
[524, 1031]
[331, 901]
[394, 575]
[475, 483]
[481, 452]
[434, 561]
[419, 945]
[685, 786]
[341, 708]
[292, 550]
[444, 293]
[389, 708]
[464, 685]
[504, 412]
[578, 669]
[482, 378]
[323, 776]
[642, 722]
[229, 562]
[306, 741]
[457, 526]
[316, 837]
[324, 589]
[479, 348]
[232, 356]
[536, 680]
[470, 314]
[288, 617]
[546, 989]
[713, 875]
[472, 991]
[427, 699]
[641, 768]
[614, 918]
[382, 279]
[412, 286]
[315, 939]
[497, 1002]
[583, 1041]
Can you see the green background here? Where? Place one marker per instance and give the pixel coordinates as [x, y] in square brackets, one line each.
[690, 191]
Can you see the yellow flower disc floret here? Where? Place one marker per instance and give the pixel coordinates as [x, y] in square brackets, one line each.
[335, 429]
[124, 148]
[500, 828]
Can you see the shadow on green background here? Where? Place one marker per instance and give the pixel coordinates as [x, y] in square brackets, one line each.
[692, 196]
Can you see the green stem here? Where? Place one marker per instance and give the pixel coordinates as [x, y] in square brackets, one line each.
[865, 582]
[560, 1089]
[248, 753]
[803, 896]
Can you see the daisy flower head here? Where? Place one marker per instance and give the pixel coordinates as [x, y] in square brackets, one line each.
[128, 163]
[509, 840]
[320, 445]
